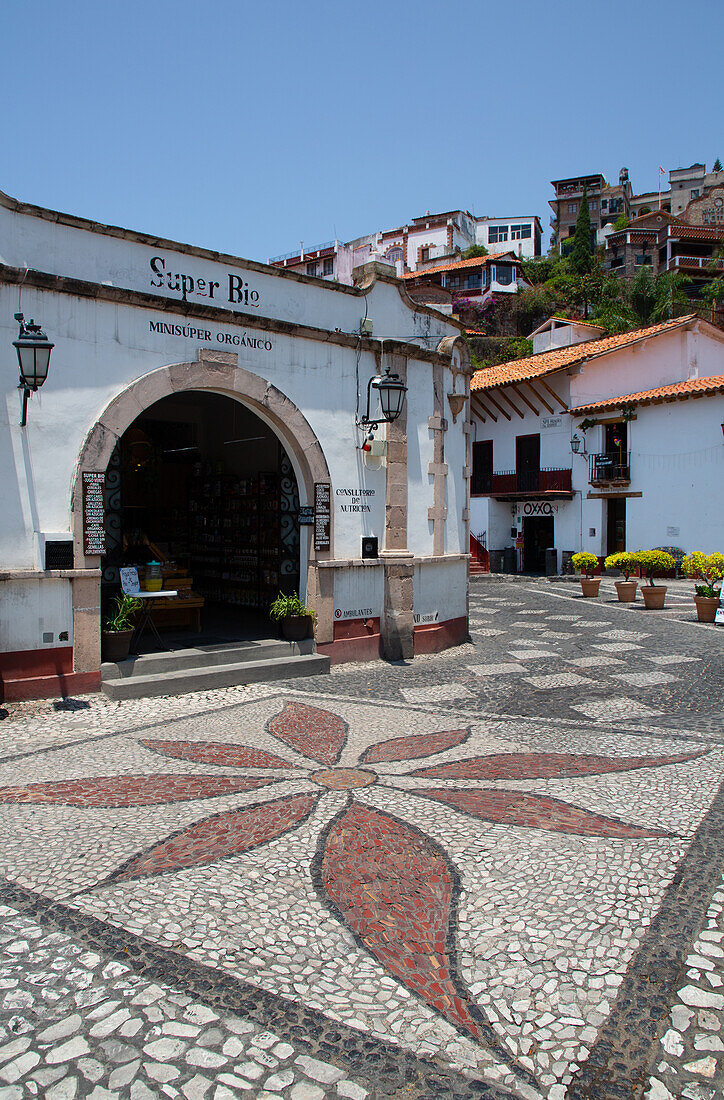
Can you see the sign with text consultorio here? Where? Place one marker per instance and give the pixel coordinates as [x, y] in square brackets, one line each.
[322, 515]
[94, 513]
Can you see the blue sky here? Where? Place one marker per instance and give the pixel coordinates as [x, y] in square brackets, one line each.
[246, 127]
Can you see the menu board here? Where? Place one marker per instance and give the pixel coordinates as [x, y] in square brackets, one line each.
[94, 514]
[322, 515]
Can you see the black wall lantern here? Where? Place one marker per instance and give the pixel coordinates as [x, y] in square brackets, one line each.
[391, 391]
[33, 348]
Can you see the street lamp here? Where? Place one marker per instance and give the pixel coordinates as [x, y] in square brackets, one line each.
[391, 391]
[576, 446]
[33, 348]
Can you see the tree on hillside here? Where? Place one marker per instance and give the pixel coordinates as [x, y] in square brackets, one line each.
[473, 251]
[647, 300]
[717, 165]
[581, 256]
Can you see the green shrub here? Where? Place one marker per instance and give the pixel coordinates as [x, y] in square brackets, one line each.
[653, 563]
[286, 605]
[585, 563]
[122, 615]
[624, 561]
[705, 567]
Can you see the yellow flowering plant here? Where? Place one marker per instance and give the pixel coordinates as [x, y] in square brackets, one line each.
[708, 568]
[654, 563]
[624, 561]
[585, 563]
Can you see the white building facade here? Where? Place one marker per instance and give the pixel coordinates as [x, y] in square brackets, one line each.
[176, 358]
[613, 443]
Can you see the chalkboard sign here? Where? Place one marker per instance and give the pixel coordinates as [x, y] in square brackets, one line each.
[94, 515]
[322, 515]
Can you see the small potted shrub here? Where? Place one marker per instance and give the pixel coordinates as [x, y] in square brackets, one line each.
[708, 568]
[118, 627]
[297, 620]
[654, 563]
[626, 563]
[587, 564]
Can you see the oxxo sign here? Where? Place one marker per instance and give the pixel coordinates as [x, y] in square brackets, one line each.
[235, 290]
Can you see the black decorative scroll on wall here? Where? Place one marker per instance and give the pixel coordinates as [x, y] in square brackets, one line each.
[289, 524]
[114, 532]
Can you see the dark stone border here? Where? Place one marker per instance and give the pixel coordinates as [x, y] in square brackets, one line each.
[623, 1055]
[390, 1067]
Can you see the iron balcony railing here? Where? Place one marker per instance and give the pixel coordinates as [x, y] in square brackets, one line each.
[609, 466]
[531, 481]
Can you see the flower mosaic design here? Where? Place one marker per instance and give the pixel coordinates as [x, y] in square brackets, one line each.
[393, 887]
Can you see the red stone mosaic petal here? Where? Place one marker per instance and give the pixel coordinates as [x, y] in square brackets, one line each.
[130, 790]
[396, 890]
[545, 765]
[216, 752]
[537, 812]
[313, 732]
[412, 748]
[218, 837]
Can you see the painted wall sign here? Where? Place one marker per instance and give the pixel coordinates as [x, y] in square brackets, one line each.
[354, 500]
[428, 617]
[537, 508]
[234, 290]
[353, 613]
[551, 421]
[322, 515]
[94, 513]
[207, 336]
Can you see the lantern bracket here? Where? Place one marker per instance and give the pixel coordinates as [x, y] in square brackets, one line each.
[382, 382]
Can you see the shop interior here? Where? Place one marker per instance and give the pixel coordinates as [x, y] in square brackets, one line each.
[201, 498]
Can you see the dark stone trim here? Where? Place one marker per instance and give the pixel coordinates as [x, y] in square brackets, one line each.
[626, 1047]
[80, 288]
[390, 1067]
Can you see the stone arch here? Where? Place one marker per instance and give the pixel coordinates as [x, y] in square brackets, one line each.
[214, 372]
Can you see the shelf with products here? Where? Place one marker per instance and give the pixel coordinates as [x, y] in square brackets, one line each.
[234, 536]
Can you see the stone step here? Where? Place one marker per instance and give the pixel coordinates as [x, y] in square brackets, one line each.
[182, 681]
[228, 653]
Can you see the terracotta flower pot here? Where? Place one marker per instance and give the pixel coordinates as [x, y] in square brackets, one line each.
[654, 596]
[116, 644]
[706, 608]
[297, 627]
[590, 586]
[626, 591]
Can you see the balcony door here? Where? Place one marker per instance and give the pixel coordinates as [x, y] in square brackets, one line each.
[527, 463]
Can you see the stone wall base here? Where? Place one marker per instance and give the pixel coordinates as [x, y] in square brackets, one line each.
[435, 637]
[43, 674]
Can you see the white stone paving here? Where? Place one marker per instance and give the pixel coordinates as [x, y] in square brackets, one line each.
[557, 680]
[645, 679]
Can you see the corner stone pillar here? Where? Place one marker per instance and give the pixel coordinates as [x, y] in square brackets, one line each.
[397, 625]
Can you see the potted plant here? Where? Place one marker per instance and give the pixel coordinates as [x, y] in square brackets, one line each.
[654, 563]
[587, 564]
[708, 568]
[118, 627]
[625, 562]
[297, 620]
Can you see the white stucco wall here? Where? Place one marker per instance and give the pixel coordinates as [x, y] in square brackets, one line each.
[102, 347]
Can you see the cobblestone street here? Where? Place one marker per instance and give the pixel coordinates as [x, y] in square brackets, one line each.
[497, 871]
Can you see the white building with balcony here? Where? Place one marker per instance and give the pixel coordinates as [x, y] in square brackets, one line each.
[607, 444]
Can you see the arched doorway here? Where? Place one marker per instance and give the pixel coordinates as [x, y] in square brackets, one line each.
[201, 493]
[213, 372]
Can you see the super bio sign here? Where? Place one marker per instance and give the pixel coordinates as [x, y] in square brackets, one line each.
[232, 291]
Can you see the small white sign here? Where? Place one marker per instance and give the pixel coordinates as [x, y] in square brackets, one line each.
[353, 613]
[129, 580]
[429, 617]
[719, 617]
[673, 532]
[551, 421]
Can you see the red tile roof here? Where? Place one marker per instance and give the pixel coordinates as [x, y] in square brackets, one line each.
[677, 391]
[548, 362]
[475, 261]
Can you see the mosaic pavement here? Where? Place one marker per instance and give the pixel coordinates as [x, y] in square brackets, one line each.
[303, 891]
